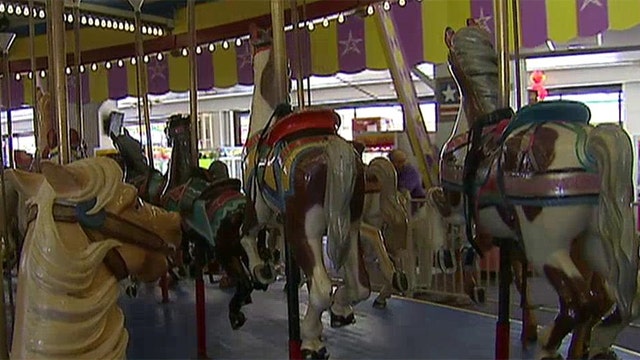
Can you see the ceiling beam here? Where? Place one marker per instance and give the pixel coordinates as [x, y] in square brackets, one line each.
[204, 36]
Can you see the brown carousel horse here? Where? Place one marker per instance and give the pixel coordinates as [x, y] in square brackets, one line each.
[545, 179]
[212, 206]
[300, 173]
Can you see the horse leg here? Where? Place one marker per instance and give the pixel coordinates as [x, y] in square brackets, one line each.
[530, 323]
[261, 270]
[306, 240]
[392, 276]
[242, 296]
[356, 286]
[574, 291]
[604, 334]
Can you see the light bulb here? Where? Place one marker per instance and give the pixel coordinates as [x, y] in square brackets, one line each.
[160, 57]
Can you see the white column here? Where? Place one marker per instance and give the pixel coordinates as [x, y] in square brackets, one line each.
[631, 120]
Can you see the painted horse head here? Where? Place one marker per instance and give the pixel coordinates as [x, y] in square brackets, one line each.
[473, 62]
[88, 230]
[77, 146]
[132, 154]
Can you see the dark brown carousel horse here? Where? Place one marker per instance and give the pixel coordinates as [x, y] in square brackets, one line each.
[213, 209]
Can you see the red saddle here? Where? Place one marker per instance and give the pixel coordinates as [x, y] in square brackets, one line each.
[317, 119]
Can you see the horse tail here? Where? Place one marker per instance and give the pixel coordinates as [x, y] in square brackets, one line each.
[609, 147]
[340, 183]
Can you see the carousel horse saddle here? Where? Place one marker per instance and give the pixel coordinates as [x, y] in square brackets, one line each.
[549, 111]
[315, 121]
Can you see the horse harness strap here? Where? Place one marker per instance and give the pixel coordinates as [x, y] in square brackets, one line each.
[113, 227]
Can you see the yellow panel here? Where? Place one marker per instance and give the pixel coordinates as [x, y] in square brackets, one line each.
[27, 86]
[562, 20]
[623, 14]
[324, 49]
[373, 45]
[132, 83]
[225, 67]
[458, 12]
[98, 85]
[433, 27]
[178, 73]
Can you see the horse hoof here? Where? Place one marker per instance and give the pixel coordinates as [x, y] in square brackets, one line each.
[400, 281]
[321, 354]
[264, 274]
[132, 291]
[237, 320]
[338, 321]
[379, 304]
[247, 300]
[607, 355]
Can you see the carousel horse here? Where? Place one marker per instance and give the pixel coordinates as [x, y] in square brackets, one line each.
[87, 231]
[213, 212]
[300, 173]
[546, 180]
[386, 209]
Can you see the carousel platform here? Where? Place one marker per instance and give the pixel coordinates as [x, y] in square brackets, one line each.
[407, 329]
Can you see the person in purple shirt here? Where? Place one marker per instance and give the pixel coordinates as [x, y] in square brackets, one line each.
[409, 177]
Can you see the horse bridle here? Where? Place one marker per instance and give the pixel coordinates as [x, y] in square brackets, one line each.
[110, 226]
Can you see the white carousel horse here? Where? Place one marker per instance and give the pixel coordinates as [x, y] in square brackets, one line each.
[404, 235]
[299, 169]
[87, 231]
[548, 179]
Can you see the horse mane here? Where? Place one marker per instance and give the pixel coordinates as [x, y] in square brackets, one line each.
[392, 205]
[71, 311]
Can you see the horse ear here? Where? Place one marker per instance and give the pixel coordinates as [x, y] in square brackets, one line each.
[126, 132]
[26, 183]
[65, 182]
[448, 37]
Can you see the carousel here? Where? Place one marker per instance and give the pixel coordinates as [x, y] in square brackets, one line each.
[105, 256]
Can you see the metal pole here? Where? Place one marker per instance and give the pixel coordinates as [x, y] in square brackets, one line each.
[201, 325]
[55, 10]
[77, 62]
[502, 42]
[503, 323]
[141, 71]
[193, 77]
[34, 90]
[516, 50]
[295, 20]
[7, 102]
[279, 48]
[291, 269]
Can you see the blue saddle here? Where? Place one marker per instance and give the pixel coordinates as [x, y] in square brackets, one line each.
[549, 111]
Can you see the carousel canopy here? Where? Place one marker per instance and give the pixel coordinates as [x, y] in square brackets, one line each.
[338, 39]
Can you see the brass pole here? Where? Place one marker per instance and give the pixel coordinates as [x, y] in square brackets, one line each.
[193, 79]
[55, 10]
[516, 53]
[502, 42]
[34, 82]
[295, 20]
[141, 70]
[279, 49]
[4, 346]
[7, 102]
[77, 62]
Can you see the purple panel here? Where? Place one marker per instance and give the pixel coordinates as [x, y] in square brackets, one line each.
[351, 50]
[533, 22]
[158, 75]
[482, 12]
[244, 57]
[305, 52]
[118, 86]
[205, 70]
[408, 21]
[593, 17]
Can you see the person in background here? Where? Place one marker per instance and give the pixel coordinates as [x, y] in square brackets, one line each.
[409, 177]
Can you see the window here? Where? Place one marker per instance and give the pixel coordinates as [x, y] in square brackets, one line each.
[605, 104]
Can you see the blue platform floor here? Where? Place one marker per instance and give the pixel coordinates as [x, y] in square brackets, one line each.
[407, 329]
